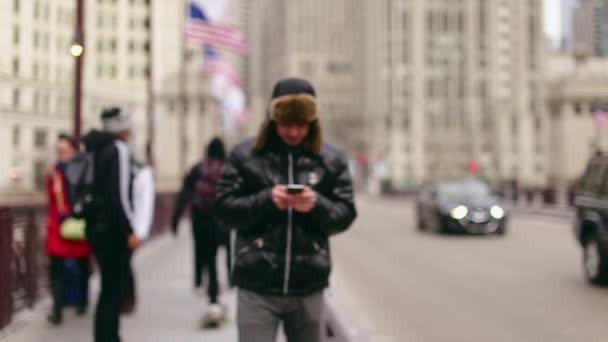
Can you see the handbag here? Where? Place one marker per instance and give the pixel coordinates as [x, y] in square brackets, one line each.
[73, 229]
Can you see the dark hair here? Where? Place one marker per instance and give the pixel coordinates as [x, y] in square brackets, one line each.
[110, 112]
[216, 150]
[69, 139]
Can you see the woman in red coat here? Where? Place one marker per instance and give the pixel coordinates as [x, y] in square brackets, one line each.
[58, 249]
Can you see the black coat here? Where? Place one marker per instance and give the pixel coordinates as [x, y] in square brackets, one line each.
[284, 252]
[112, 210]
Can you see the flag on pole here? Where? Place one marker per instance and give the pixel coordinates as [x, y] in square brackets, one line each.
[601, 117]
[202, 26]
[215, 64]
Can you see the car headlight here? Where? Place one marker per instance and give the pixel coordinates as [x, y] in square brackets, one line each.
[497, 212]
[459, 212]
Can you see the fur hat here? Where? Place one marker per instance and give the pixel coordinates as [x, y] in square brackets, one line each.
[293, 102]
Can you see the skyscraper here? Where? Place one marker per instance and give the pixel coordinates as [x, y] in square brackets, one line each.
[454, 82]
[319, 40]
[591, 27]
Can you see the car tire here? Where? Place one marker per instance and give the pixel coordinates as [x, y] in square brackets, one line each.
[502, 230]
[595, 260]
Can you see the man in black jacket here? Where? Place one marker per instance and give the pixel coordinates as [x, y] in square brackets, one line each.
[282, 259]
[109, 227]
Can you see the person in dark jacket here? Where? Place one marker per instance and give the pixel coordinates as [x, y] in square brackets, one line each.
[198, 191]
[59, 249]
[109, 229]
[282, 259]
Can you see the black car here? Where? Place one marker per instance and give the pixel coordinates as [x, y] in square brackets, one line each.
[467, 206]
[591, 223]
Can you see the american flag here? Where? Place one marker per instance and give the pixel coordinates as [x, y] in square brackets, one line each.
[200, 29]
[601, 117]
[215, 64]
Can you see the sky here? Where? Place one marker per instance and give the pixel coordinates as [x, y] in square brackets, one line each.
[552, 18]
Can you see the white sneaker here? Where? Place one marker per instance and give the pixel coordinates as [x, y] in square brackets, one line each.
[215, 316]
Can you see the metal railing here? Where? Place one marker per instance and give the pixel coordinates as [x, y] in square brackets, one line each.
[23, 260]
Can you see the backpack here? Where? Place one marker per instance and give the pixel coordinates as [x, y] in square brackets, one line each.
[205, 187]
[80, 178]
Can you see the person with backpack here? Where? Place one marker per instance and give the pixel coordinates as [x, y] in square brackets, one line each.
[199, 191]
[59, 247]
[109, 217]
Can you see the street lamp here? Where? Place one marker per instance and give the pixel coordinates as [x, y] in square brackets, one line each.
[77, 51]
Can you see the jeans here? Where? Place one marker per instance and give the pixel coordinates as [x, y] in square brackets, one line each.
[259, 316]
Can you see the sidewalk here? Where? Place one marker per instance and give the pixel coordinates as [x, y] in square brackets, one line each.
[168, 309]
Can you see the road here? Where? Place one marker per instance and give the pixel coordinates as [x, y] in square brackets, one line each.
[409, 286]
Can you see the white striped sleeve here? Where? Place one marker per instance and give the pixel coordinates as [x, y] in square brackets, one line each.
[124, 163]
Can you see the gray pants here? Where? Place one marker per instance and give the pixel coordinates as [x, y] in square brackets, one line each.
[259, 316]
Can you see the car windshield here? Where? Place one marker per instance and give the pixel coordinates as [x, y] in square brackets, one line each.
[462, 191]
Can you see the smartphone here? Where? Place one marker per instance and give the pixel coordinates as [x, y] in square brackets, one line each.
[295, 188]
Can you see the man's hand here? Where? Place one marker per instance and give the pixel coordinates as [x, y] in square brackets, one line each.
[280, 197]
[304, 202]
[134, 242]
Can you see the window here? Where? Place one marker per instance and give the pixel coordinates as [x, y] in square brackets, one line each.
[16, 136]
[40, 174]
[16, 36]
[146, 23]
[131, 72]
[99, 70]
[40, 138]
[16, 66]
[131, 46]
[113, 45]
[16, 6]
[113, 71]
[47, 12]
[35, 40]
[35, 71]
[99, 45]
[16, 98]
[35, 101]
[36, 10]
[100, 20]
[46, 42]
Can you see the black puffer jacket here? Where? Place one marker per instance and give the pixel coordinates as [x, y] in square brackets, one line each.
[284, 252]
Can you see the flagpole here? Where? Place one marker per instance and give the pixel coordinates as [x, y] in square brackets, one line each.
[183, 89]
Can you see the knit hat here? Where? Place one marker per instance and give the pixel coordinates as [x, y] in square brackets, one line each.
[114, 120]
[293, 102]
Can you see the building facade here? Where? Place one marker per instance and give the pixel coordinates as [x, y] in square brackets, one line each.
[450, 83]
[36, 77]
[576, 88]
[320, 41]
[591, 27]
[125, 40]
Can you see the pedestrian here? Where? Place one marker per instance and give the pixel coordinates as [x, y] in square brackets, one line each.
[286, 193]
[199, 191]
[109, 223]
[60, 249]
[143, 198]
